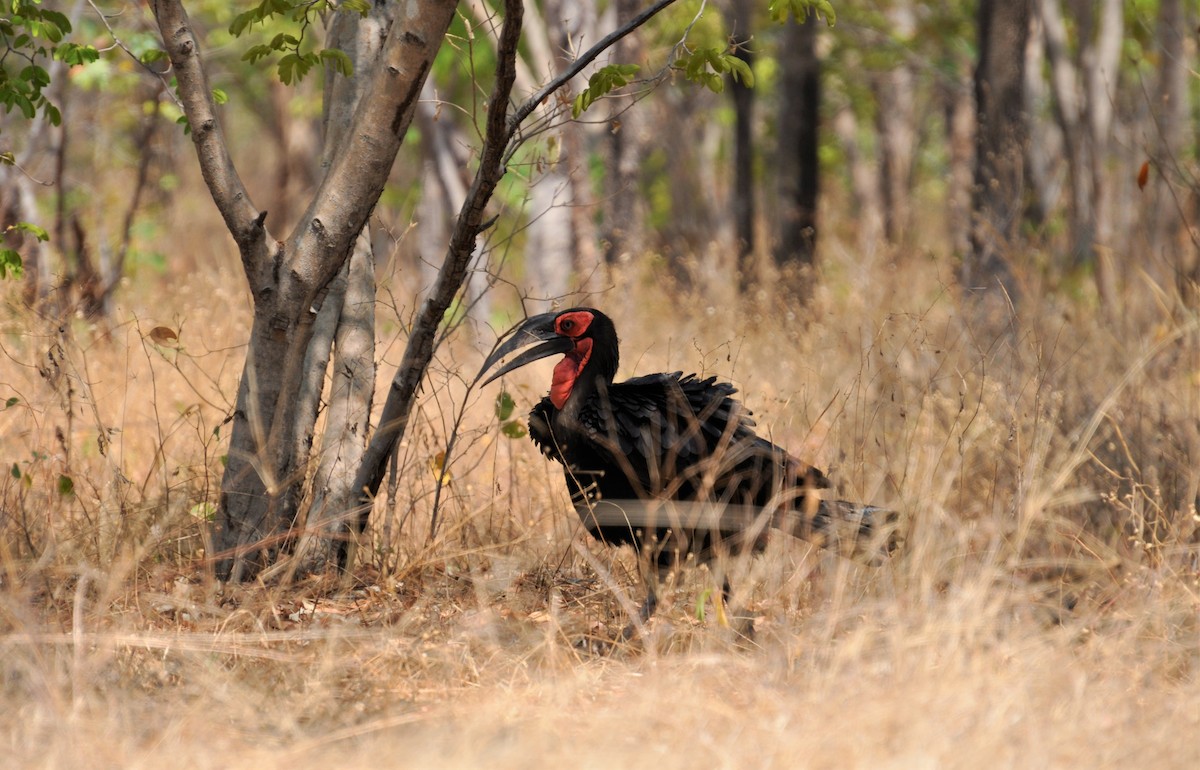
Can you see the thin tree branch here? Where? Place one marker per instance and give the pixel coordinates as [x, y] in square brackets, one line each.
[161, 76]
[244, 222]
[577, 66]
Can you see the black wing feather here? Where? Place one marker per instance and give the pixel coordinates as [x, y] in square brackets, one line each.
[668, 435]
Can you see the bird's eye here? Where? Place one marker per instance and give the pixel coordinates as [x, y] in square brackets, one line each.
[567, 325]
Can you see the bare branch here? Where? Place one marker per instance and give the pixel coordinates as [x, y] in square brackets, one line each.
[161, 76]
[245, 223]
[577, 66]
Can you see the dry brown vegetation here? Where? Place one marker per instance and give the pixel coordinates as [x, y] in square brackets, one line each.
[1043, 611]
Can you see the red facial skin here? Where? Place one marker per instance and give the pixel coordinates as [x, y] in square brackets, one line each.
[566, 371]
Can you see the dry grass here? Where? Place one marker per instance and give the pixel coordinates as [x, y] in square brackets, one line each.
[1043, 612]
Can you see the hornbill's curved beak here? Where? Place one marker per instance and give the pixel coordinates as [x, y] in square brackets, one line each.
[538, 328]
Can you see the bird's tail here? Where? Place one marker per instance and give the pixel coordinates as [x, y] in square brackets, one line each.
[855, 530]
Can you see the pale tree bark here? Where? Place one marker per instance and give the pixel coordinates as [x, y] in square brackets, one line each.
[1101, 66]
[864, 182]
[1170, 245]
[561, 236]
[549, 240]
[578, 23]
[443, 190]
[288, 279]
[1084, 96]
[1044, 149]
[1068, 110]
[798, 136]
[960, 139]
[895, 96]
[624, 212]
[345, 324]
[997, 200]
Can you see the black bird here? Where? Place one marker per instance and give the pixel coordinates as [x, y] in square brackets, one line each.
[668, 463]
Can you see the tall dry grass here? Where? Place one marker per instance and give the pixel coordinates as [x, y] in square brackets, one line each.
[1044, 609]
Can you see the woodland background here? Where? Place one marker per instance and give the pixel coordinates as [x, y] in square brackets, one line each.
[814, 239]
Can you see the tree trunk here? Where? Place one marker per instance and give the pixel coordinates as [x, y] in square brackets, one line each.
[960, 136]
[997, 202]
[895, 96]
[348, 417]
[289, 279]
[1101, 66]
[797, 158]
[345, 324]
[1045, 147]
[1068, 110]
[624, 212]
[1170, 234]
[1084, 96]
[574, 23]
[443, 190]
[864, 187]
[740, 16]
[1168, 123]
[550, 244]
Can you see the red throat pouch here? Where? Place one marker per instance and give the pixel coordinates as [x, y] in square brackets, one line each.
[567, 371]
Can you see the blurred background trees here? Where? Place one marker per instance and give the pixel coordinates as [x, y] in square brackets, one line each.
[878, 114]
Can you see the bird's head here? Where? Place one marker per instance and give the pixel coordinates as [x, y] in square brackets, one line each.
[586, 338]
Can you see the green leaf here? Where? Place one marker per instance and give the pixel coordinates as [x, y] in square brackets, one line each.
[58, 20]
[35, 75]
[740, 70]
[361, 7]
[10, 264]
[287, 68]
[76, 54]
[603, 81]
[256, 52]
[504, 406]
[26, 106]
[153, 55]
[243, 20]
[66, 487]
[11, 402]
[513, 429]
[16, 471]
[284, 41]
[205, 511]
[219, 96]
[781, 10]
[340, 61]
[32, 229]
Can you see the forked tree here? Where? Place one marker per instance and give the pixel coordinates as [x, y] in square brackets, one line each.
[298, 281]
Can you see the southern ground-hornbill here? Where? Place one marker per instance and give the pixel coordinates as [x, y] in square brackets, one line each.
[665, 462]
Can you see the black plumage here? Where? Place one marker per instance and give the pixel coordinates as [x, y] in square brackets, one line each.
[667, 463]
